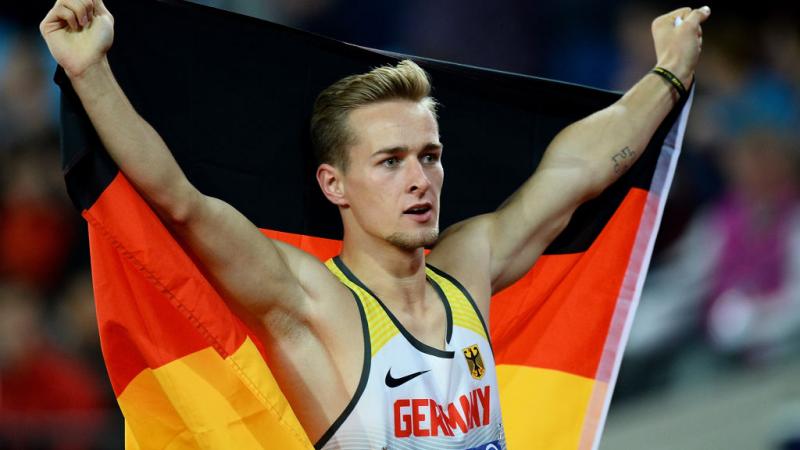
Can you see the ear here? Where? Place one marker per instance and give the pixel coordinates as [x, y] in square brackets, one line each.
[331, 182]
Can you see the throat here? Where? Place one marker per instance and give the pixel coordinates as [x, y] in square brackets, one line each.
[415, 303]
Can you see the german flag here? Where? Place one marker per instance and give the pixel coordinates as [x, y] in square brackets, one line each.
[232, 97]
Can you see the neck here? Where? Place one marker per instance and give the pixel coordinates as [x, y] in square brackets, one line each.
[394, 274]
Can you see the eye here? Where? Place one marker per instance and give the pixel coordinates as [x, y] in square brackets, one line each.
[430, 158]
[391, 162]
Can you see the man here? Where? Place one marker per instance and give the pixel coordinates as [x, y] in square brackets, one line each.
[401, 333]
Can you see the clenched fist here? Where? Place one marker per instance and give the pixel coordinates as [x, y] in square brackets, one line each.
[678, 40]
[78, 34]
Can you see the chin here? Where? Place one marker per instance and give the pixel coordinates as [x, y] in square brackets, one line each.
[414, 240]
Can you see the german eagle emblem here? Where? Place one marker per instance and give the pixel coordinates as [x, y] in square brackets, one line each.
[474, 361]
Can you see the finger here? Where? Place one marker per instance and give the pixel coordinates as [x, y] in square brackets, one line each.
[68, 16]
[52, 22]
[699, 15]
[89, 4]
[79, 8]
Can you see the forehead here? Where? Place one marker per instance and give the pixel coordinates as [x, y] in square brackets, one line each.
[393, 123]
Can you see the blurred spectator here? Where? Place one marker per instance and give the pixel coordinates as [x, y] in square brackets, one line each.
[37, 223]
[754, 292]
[780, 41]
[75, 324]
[26, 108]
[733, 279]
[47, 400]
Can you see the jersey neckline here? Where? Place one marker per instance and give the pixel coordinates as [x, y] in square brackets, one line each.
[419, 345]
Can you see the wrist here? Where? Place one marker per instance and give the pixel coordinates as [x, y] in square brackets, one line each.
[93, 83]
[676, 86]
[91, 72]
[684, 75]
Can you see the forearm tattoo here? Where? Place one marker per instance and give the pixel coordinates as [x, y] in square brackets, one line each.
[623, 159]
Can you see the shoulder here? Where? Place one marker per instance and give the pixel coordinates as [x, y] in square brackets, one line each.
[463, 252]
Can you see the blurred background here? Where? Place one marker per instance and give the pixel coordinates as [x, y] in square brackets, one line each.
[713, 360]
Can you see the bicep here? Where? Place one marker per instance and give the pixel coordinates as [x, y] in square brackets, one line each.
[247, 267]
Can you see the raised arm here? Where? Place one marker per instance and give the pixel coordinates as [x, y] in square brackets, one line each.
[580, 162]
[245, 266]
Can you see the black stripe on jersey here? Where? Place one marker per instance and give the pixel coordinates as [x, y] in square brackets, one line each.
[447, 309]
[469, 297]
[362, 383]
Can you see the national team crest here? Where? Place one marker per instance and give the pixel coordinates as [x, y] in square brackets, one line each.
[474, 361]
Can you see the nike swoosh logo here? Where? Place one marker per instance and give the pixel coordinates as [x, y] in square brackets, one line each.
[394, 382]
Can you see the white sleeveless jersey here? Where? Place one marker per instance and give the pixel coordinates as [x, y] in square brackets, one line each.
[415, 397]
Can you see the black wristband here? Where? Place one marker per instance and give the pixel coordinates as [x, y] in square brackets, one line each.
[673, 80]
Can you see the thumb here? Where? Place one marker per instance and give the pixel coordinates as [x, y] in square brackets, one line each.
[699, 15]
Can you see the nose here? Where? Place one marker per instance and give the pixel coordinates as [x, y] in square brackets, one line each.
[418, 181]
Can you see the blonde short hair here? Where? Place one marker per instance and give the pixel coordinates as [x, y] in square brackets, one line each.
[330, 135]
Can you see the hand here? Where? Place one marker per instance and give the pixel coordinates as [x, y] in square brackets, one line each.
[678, 43]
[78, 34]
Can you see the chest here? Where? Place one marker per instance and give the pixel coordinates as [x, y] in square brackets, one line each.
[427, 398]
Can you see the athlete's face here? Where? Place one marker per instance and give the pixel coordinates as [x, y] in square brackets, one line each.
[394, 176]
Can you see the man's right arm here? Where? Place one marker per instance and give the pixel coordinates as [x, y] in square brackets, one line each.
[243, 264]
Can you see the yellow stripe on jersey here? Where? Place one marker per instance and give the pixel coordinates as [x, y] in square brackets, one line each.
[464, 314]
[381, 328]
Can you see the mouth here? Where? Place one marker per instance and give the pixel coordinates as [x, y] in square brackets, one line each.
[421, 213]
[418, 209]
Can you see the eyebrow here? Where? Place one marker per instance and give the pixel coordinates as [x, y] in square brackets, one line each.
[404, 149]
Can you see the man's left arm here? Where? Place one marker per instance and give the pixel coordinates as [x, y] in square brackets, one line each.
[581, 161]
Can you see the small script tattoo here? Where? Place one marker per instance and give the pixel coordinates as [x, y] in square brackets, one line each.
[623, 159]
